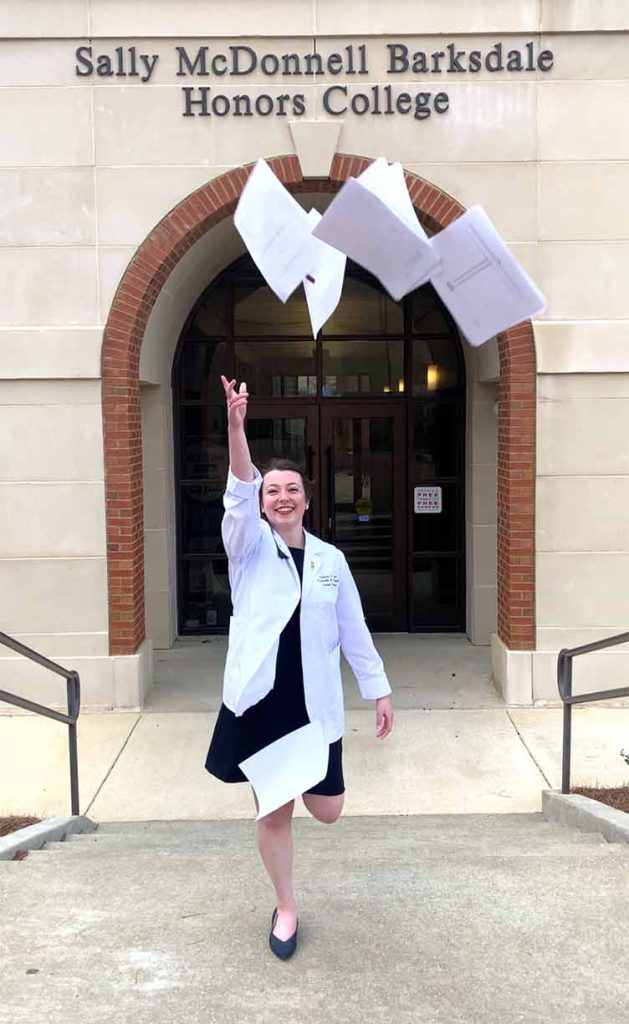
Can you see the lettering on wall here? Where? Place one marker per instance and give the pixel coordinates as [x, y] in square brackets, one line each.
[230, 65]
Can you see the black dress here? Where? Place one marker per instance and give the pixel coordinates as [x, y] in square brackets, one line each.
[282, 711]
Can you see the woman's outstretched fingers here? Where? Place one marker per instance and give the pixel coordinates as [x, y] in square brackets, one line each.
[236, 401]
[384, 717]
[228, 386]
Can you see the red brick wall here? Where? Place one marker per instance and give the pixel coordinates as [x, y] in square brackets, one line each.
[516, 488]
[132, 304]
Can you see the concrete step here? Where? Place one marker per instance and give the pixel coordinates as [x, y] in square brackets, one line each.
[501, 875]
[400, 919]
[421, 846]
[418, 836]
[418, 822]
[140, 855]
[469, 827]
[418, 862]
[528, 830]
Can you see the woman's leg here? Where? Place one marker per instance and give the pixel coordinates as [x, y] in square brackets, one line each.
[324, 808]
[275, 843]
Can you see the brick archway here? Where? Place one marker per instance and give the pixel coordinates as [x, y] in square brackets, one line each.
[128, 316]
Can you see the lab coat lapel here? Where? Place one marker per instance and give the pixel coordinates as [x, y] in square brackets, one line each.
[312, 561]
[283, 548]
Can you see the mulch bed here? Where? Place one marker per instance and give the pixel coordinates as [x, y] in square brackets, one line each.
[12, 824]
[617, 796]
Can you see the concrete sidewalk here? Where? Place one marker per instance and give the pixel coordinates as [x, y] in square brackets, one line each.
[456, 747]
[150, 765]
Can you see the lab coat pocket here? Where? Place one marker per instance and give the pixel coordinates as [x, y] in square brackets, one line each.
[329, 625]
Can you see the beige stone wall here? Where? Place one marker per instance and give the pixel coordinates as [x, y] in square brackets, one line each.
[89, 165]
[481, 529]
[582, 524]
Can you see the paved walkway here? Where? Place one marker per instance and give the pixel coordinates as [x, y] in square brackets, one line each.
[456, 747]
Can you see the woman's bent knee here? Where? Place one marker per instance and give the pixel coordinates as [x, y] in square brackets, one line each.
[326, 809]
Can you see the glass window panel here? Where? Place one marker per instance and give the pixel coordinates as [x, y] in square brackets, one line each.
[435, 593]
[437, 440]
[206, 601]
[281, 369]
[277, 439]
[203, 431]
[362, 508]
[210, 318]
[427, 316]
[200, 370]
[201, 517]
[435, 365]
[363, 368]
[364, 309]
[258, 311]
[373, 575]
[439, 531]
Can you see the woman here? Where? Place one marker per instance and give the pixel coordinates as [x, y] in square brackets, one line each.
[295, 607]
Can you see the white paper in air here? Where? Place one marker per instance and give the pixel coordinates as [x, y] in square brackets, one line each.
[323, 292]
[388, 183]
[372, 221]
[482, 284]
[276, 231]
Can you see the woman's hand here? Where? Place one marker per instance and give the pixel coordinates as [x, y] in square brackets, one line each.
[239, 454]
[384, 717]
[236, 402]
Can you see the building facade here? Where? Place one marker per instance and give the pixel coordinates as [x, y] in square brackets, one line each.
[481, 491]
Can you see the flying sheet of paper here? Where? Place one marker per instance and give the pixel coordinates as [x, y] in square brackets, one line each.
[368, 228]
[287, 768]
[387, 182]
[481, 283]
[276, 231]
[324, 284]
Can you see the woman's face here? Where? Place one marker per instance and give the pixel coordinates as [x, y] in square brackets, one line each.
[283, 498]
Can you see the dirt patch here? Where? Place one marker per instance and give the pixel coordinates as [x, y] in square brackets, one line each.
[614, 796]
[12, 824]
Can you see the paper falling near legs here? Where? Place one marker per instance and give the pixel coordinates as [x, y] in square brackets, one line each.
[287, 768]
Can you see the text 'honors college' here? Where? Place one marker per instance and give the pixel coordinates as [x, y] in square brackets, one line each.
[239, 61]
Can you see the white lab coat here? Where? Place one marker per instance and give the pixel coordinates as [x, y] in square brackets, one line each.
[265, 592]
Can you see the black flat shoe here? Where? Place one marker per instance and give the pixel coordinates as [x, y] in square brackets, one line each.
[283, 949]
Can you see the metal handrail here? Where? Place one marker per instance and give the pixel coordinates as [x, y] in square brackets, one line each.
[74, 706]
[564, 683]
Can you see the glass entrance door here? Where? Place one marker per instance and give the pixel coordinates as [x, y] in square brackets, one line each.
[287, 431]
[362, 503]
[373, 410]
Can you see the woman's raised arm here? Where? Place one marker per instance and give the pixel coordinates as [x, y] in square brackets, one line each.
[239, 455]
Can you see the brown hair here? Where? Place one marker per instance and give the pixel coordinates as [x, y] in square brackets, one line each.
[288, 464]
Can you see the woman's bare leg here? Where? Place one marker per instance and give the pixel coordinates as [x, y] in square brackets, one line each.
[324, 808]
[275, 843]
